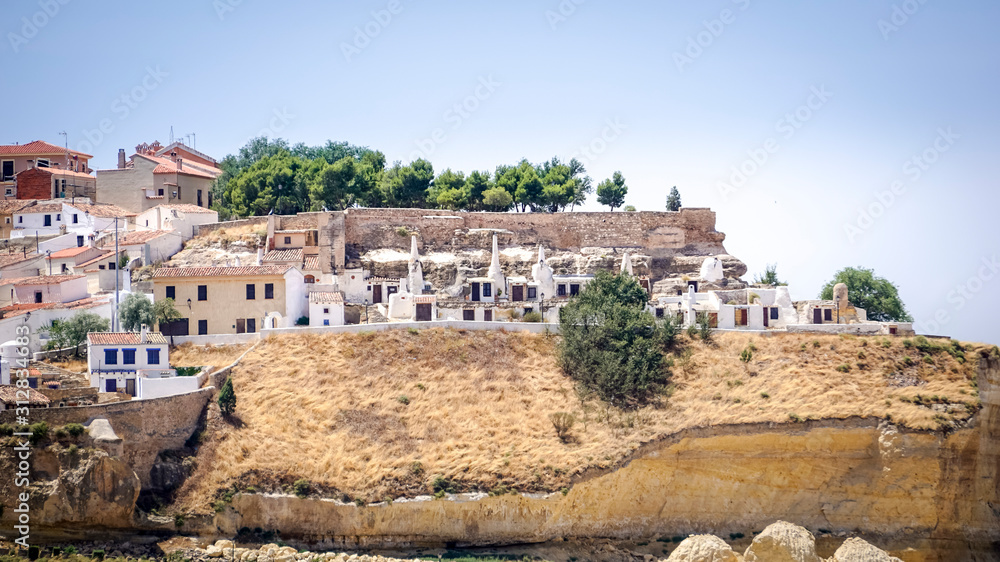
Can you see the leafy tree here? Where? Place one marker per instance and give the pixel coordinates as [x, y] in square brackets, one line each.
[475, 188]
[674, 200]
[629, 208]
[878, 296]
[123, 260]
[770, 276]
[406, 186]
[448, 191]
[227, 397]
[134, 311]
[611, 192]
[256, 190]
[73, 332]
[165, 312]
[335, 186]
[497, 199]
[584, 185]
[610, 343]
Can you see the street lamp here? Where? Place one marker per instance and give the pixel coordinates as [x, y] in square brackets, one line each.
[541, 306]
[836, 304]
[366, 311]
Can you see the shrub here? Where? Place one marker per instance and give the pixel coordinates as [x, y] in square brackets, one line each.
[75, 429]
[99, 553]
[886, 342]
[765, 395]
[907, 360]
[795, 417]
[816, 343]
[359, 502]
[404, 399]
[907, 343]
[187, 371]
[928, 359]
[532, 317]
[844, 368]
[442, 485]
[417, 468]
[692, 331]
[302, 321]
[861, 354]
[71, 450]
[301, 487]
[60, 433]
[413, 331]
[402, 232]
[179, 520]
[668, 330]
[705, 327]
[69, 550]
[563, 423]
[227, 397]
[6, 430]
[746, 355]
[39, 431]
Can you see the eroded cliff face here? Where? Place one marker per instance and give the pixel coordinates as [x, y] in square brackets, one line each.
[854, 476]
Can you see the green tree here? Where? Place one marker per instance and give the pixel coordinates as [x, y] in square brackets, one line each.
[334, 186]
[73, 331]
[611, 192]
[165, 312]
[770, 276]
[448, 191]
[227, 397]
[674, 200]
[406, 186]
[878, 296]
[497, 199]
[584, 185]
[629, 208]
[610, 343]
[134, 311]
[475, 188]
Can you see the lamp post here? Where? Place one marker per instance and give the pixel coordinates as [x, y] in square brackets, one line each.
[366, 311]
[541, 306]
[836, 304]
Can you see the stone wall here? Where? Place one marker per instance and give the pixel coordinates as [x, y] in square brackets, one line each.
[201, 229]
[146, 427]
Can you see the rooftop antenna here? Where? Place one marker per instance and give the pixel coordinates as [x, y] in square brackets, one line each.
[66, 144]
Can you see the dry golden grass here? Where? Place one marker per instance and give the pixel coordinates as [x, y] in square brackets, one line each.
[246, 233]
[70, 363]
[381, 414]
[218, 356]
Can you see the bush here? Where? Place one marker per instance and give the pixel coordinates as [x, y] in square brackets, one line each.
[187, 371]
[532, 317]
[795, 418]
[765, 395]
[746, 355]
[563, 423]
[704, 327]
[39, 431]
[417, 468]
[610, 343]
[6, 430]
[179, 520]
[302, 321]
[442, 485]
[301, 487]
[404, 399]
[99, 553]
[227, 397]
[413, 331]
[844, 368]
[75, 429]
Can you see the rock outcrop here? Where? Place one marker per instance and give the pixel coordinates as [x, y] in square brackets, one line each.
[859, 550]
[704, 548]
[783, 542]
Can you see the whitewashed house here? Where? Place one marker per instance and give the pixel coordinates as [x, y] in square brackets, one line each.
[137, 364]
[181, 218]
[326, 308]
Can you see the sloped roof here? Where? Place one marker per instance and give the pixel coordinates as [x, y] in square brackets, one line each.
[167, 149]
[283, 255]
[102, 257]
[14, 205]
[10, 259]
[167, 166]
[47, 207]
[56, 171]
[39, 280]
[134, 237]
[104, 210]
[69, 252]
[8, 395]
[183, 207]
[326, 297]
[244, 270]
[124, 338]
[36, 147]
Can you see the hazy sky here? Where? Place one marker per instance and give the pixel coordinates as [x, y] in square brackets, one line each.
[824, 134]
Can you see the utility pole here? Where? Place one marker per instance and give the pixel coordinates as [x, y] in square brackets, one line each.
[114, 316]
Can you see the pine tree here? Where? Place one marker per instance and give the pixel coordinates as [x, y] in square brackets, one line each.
[674, 200]
[227, 397]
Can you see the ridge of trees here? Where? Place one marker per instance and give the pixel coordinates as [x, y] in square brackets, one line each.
[268, 176]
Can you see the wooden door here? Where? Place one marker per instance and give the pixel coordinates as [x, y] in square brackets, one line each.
[241, 325]
[468, 314]
[110, 385]
[487, 316]
[376, 294]
[475, 291]
[817, 316]
[517, 293]
[130, 387]
[743, 316]
[766, 315]
[424, 312]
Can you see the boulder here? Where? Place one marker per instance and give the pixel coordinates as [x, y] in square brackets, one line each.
[704, 548]
[859, 550]
[783, 542]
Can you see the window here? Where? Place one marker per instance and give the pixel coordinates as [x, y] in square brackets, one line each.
[47, 220]
[326, 321]
[79, 240]
[76, 218]
[288, 239]
[659, 313]
[20, 220]
[468, 314]
[326, 311]
[38, 296]
[112, 265]
[827, 315]
[42, 162]
[8, 170]
[159, 192]
[128, 357]
[574, 289]
[268, 290]
[774, 313]
[487, 289]
[532, 293]
[251, 291]
[153, 356]
[110, 356]
[171, 291]
[251, 325]
[561, 290]
[203, 292]
[202, 327]
[310, 279]
[58, 217]
[65, 268]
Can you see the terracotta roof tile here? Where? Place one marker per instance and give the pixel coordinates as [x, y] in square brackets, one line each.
[11, 259]
[134, 237]
[124, 338]
[102, 257]
[47, 207]
[69, 252]
[39, 280]
[283, 255]
[37, 147]
[246, 270]
[14, 205]
[102, 210]
[167, 166]
[311, 263]
[57, 171]
[324, 297]
[184, 207]
[8, 395]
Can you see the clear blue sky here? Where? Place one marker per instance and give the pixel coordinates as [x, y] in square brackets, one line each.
[693, 91]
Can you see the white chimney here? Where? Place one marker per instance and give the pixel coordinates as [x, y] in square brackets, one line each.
[237, 261]
[143, 333]
[260, 255]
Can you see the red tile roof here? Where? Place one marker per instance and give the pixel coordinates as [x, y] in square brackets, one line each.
[11, 259]
[14, 205]
[324, 297]
[57, 171]
[40, 280]
[184, 207]
[311, 263]
[69, 252]
[167, 166]
[245, 270]
[133, 238]
[106, 256]
[8, 395]
[283, 255]
[124, 338]
[103, 210]
[47, 207]
[36, 147]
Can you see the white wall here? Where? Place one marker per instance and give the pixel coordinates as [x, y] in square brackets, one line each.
[296, 297]
[95, 357]
[40, 318]
[147, 388]
[335, 316]
[61, 243]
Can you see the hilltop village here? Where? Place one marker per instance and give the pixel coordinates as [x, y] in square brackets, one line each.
[411, 353]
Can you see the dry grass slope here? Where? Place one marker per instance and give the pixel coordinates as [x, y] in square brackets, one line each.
[371, 416]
